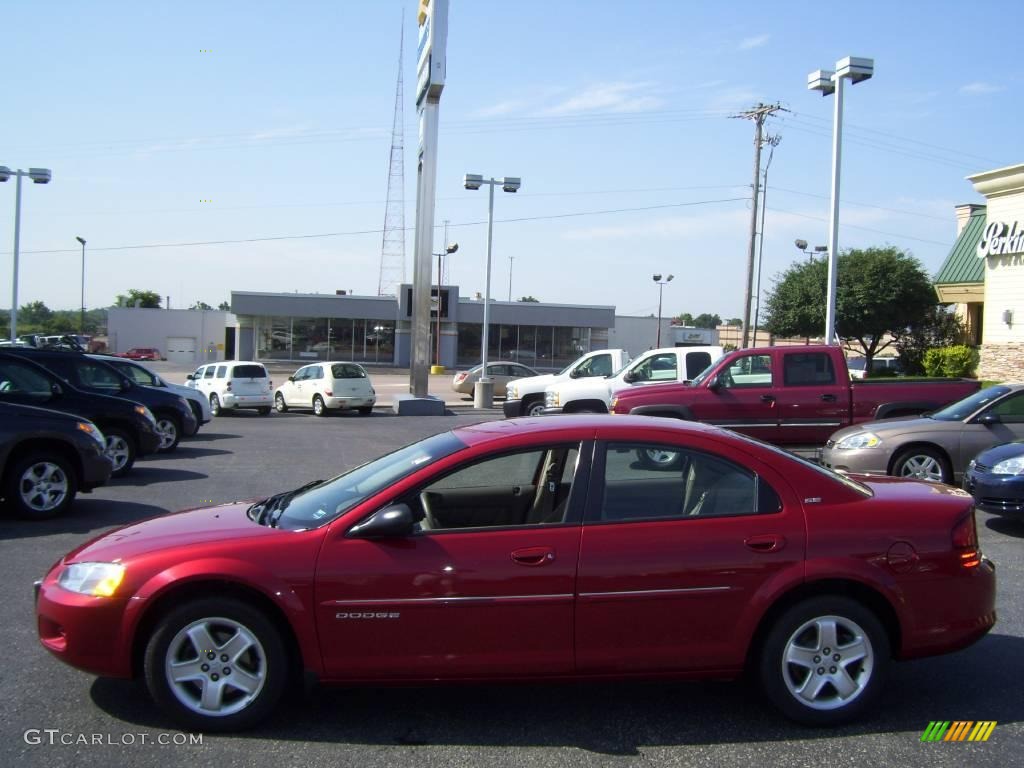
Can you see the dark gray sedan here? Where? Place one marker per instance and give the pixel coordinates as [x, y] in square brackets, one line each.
[935, 447]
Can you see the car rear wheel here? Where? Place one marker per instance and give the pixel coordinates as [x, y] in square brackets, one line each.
[216, 664]
[264, 410]
[215, 408]
[280, 404]
[40, 486]
[318, 406]
[170, 433]
[923, 463]
[824, 660]
[121, 450]
[365, 410]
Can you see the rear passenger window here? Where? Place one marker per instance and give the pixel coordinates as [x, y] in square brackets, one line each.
[808, 369]
[222, 371]
[696, 362]
[657, 482]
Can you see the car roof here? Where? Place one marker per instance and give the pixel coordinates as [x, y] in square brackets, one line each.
[578, 425]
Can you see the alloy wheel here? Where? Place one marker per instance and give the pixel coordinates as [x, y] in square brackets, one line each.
[118, 451]
[828, 662]
[168, 432]
[923, 467]
[43, 486]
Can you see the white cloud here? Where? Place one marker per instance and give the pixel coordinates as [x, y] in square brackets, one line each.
[608, 97]
[981, 87]
[755, 41]
[501, 108]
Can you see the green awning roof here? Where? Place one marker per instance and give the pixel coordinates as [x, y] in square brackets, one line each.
[963, 265]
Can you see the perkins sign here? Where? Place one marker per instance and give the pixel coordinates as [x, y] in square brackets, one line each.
[1001, 239]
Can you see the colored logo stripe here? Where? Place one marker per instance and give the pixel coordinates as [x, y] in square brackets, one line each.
[958, 730]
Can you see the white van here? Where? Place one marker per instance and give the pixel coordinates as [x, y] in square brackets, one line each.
[234, 384]
[326, 387]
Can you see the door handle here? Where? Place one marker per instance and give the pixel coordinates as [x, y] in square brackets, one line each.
[828, 398]
[533, 556]
[767, 398]
[767, 543]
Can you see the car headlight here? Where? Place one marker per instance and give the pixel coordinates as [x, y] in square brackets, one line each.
[551, 399]
[1013, 466]
[96, 579]
[145, 413]
[92, 431]
[513, 392]
[615, 401]
[859, 440]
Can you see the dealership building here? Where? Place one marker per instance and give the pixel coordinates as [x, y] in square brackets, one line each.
[984, 272]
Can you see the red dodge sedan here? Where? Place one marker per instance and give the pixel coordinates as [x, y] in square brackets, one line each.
[576, 548]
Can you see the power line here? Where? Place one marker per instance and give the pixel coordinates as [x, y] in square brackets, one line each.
[866, 205]
[898, 235]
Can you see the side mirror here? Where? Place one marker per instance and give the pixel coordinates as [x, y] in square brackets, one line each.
[713, 384]
[56, 389]
[390, 522]
[575, 373]
[291, 378]
[989, 418]
[629, 377]
[125, 385]
[190, 377]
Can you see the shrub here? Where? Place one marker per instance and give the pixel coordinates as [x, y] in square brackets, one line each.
[955, 361]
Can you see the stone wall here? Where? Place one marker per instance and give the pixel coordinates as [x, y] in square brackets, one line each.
[1002, 362]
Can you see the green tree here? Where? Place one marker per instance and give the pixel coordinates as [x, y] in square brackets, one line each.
[880, 293]
[683, 318]
[706, 320]
[530, 299]
[735, 322]
[224, 306]
[34, 313]
[147, 299]
[200, 305]
[939, 327]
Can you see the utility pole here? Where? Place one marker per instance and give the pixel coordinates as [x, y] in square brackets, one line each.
[773, 142]
[759, 115]
[510, 260]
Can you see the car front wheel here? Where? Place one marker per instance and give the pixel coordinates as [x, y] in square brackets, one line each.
[170, 433]
[216, 664]
[215, 408]
[121, 450]
[824, 660]
[280, 404]
[40, 486]
[534, 408]
[924, 463]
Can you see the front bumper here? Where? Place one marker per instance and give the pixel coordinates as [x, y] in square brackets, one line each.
[96, 468]
[512, 408]
[998, 494]
[858, 461]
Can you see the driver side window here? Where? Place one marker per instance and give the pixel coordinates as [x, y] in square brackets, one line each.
[1011, 409]
[515, 489]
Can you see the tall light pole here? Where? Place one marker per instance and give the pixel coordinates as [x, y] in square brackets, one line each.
[661, 286]
[38, 176]
[483, 390]
[447, 249]
[81, 317]
[510, 260]
[857, 70]
[818, 249]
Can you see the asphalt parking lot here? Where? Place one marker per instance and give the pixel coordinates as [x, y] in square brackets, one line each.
[671, 724]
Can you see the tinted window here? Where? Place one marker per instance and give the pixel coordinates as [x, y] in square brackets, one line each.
[222, 371]
[653, 482]
[808, 369]
[98, 375]
[1010, 409]
[209, 372]
[22, 380]
[696, 362]
[347, 371]
[138, 374]
[249, 372]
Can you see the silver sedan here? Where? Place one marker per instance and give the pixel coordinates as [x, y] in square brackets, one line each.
[935, 447]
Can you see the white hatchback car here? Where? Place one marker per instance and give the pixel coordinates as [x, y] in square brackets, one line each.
[233, 384]
[327, 386]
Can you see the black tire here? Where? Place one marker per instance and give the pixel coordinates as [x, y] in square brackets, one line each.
[365, 410]
[280, 404]
[215, 408]
[121, 449]
[924, 463]
[319, 409]
[264, 665]
[656, 458]
[40, 486]
[264, 410]
[170, 428]
[801, 632]
[533, 407]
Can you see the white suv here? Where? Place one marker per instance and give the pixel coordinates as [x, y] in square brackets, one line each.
[325, 387]
[233, 384]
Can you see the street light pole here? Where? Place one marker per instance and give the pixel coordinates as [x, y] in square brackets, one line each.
[81, 317]
[483, 390]
[510, 260]
[448, 249]
[857, 70]
[661, 285]
[38, 176]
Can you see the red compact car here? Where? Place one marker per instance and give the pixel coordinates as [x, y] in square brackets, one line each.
[584, 547]
[142, 353]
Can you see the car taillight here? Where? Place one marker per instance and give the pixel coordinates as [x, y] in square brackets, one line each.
[459, 378]
[329, 393]
[965, 541]
[228, 387]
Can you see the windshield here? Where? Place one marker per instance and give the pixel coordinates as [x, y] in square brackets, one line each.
[961, 409]
[322, 502]
[704, 374]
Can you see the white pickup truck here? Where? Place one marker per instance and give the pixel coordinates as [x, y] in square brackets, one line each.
[526, 396]
[655, 366]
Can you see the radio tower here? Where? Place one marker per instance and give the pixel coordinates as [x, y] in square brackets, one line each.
[392, 251]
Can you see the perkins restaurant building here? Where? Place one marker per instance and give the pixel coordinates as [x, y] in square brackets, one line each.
[984, 273]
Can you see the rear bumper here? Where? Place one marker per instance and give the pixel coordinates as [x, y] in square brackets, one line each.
[229, 400]
[341, 403]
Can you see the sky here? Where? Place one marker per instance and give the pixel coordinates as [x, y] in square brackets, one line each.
[205, 147]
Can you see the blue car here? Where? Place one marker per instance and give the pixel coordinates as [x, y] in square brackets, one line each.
[995, 478]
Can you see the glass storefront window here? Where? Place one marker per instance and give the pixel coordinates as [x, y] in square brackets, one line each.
[316, 338]
[273, 338]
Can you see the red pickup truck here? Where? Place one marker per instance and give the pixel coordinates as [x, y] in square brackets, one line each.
[788, 395]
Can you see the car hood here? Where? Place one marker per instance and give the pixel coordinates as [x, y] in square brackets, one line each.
[993, 456]
[543, 379]
[898, 426]
[205, 525]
